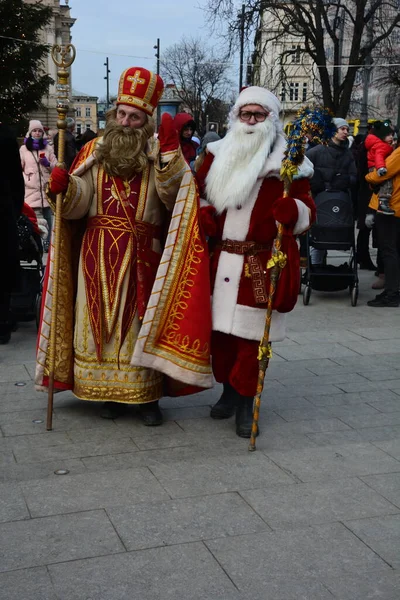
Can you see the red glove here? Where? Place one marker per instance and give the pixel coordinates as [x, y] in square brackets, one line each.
[59, 180]
[167, 134]
[285, 211]
[207, 220]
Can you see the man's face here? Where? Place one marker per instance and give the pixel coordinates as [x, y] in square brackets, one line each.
[130, 116]
[36, 134]
[253, 114]
[342, 134]
[187, 132]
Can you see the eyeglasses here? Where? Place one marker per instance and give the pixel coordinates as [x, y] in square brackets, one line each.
[259, 116]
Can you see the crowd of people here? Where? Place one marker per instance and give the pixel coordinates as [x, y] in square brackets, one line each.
[154, 223]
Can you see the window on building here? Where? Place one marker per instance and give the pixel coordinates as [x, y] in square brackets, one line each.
[88, 126]
[296, 54]
[78, 111]
[283, 94]
[304, 91]
[293, 91]
[78, 128]
[88, 111]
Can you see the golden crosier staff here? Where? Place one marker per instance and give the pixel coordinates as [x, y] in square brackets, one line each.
[276, 264]
[63, 57]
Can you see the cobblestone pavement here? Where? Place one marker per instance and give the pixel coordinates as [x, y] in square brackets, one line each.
[184, 511]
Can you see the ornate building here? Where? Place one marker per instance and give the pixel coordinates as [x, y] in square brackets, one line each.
[85, 108]
[58, 31]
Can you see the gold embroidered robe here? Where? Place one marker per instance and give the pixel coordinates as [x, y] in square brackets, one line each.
[106, 307]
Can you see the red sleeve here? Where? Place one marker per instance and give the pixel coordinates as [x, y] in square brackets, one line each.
[300, 189]
[201, 174]
[383, 150]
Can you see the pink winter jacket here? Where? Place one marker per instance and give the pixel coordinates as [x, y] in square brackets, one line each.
[36, 176]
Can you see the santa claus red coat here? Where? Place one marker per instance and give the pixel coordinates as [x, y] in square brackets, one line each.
[240, 282]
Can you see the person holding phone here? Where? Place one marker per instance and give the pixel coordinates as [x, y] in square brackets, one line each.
[38, 160]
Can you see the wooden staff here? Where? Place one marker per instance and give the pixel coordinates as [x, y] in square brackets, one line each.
[276, 264]
[63, 57]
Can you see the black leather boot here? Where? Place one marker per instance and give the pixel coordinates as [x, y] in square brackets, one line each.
[151, 414]
[225, 407]
[244, 416]
[112, 410]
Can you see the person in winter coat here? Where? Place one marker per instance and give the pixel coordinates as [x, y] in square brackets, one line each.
[243, 198]
[11, 202]
[388, 231]
[379, 145]
[334, 169]
[210, 136]
[185, 126]
[38, 160]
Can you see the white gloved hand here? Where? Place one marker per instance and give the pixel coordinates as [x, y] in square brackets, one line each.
[382, 171]
[370, 220]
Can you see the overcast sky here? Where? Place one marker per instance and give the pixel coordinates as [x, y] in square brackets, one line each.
[128, 28]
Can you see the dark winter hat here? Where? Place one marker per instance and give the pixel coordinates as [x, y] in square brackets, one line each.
[382, 128]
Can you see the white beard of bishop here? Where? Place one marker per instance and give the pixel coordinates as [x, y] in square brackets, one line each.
[239, 162]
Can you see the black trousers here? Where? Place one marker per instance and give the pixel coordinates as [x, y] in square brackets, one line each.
[5, 321]
[388, 230]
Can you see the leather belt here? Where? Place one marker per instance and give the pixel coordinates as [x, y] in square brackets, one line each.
[253, 267]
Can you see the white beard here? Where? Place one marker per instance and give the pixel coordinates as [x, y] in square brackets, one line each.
[239, 162]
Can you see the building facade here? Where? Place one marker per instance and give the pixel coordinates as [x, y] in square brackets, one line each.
[58, 31]
[85, 109]
[280, 63]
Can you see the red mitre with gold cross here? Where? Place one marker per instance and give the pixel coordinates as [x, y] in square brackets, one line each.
[141, 88]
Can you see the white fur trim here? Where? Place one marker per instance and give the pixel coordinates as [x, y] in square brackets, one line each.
[303, 220]
[230, 266]
[306, 169]
[204, 203]
[258, 95]
[249, 323]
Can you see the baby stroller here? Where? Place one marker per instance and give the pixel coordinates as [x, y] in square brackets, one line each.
[333, 230]
[26, 300]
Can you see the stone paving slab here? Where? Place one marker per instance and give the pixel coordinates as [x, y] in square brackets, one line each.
[325, 412]
[13, 373]
[369, 434]
[50, 540]
[12, 503]
[43, 470]
[184, 520]
[320, 350]
[371, 420]
[174, 572]
[374, 399]
[283, 506]
[318, 552]
[369, 586]
[392, 447]
[219, 475]
[389, 405]
[27, 584]
[72, 493]
[381, 534]
[387, 484]
[71, 450]
[332, 462]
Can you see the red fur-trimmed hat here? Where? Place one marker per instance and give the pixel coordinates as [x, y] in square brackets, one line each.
[141, 88]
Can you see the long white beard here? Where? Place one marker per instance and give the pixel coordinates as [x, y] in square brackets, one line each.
[239, 162]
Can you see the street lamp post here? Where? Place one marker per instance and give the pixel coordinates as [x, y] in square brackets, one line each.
[107, 78]
[157, 55]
